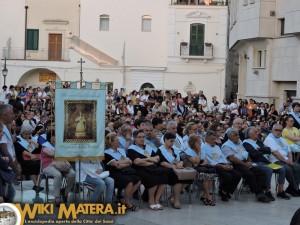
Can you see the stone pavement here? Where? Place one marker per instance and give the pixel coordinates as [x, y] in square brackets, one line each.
[246, 210]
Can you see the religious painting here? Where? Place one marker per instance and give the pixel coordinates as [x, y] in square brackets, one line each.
[80, 124]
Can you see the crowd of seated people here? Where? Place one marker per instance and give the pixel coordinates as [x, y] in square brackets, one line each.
[145, 134]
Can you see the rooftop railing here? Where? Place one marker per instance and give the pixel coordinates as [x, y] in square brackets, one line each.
[200, 2]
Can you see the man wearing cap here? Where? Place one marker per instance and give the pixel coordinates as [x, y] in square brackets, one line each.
[296, 114]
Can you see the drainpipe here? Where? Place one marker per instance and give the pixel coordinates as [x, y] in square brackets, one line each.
[25, 44]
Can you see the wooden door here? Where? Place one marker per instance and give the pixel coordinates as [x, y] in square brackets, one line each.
[55, 47]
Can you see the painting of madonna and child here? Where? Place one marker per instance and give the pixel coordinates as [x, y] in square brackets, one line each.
[80, 125]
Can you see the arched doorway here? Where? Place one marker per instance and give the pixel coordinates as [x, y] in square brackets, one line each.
[38, 77]
[146, 86]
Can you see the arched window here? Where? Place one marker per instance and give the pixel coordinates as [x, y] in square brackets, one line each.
[146, 85]
[197, 36]
[146, 23]
[104, 22]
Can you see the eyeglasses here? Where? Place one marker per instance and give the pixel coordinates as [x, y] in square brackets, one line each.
[149, 130]
[278, 130]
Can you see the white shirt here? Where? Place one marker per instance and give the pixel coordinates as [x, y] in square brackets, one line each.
[279, 145]
[234, 108]
[87, 168]
[144, 97]
[10, 145]
[130, 109]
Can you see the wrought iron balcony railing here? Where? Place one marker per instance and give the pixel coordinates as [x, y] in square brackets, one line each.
[196, 51]
[38, 55]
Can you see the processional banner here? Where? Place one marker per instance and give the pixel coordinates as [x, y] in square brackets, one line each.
[79, 121]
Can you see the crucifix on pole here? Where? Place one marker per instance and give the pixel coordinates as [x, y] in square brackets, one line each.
[81, 61]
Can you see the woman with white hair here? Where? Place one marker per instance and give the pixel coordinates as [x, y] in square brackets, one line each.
[28, 155]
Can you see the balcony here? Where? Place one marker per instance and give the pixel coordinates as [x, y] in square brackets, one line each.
[194, 52]
[200, 2]
[37, 55]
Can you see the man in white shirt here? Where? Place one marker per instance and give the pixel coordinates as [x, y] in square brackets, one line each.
[282, 155]
[234, 107]
[3, 93]
[224, 107]
[6, 117]
[145, 96]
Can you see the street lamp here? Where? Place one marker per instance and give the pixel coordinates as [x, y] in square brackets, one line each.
[4, 71]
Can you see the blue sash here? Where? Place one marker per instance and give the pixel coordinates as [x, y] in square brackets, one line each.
[25, 144]
[178, 144]
[280, 141]
[117, 155]
[185, 138]
[140, 150]
[191, 153]
[252, 143]
[168, 156]
[48, 145]
[295, 117]
[35, 139]
[150, 143]
[214, 152]
[122, 141]
[238, 148]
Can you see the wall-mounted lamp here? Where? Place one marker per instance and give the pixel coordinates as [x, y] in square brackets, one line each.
[256, 72]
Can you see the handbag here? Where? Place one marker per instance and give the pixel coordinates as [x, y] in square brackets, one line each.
[187, 173]
[206, 169]
[62, 166]
[7, 175]
[128, 170]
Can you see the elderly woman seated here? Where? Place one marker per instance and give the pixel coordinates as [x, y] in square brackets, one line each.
[145, 161]
[120, 170]
[27, 153]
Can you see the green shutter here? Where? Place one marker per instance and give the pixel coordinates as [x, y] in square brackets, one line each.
[197, 32]
[32, 39]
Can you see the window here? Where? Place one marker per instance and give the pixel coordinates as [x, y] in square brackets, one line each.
[281, 26]
[197, 31]
[104, 22]
[146, 23]
[32, 39]
[260, 59]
